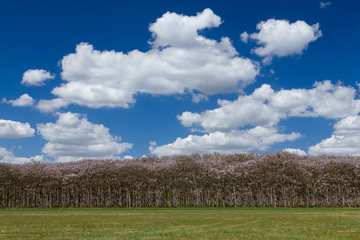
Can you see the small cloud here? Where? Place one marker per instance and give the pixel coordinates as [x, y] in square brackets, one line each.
[23, 101]
[296, 151]
[153, 144]
[36, 77]
[281, 38]
[244, 37]
[199, 97]
[38, 158]
[324, 5]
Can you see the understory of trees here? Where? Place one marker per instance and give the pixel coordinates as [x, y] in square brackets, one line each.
[277, 180]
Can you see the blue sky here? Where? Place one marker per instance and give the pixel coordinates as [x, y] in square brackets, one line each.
[109, 79]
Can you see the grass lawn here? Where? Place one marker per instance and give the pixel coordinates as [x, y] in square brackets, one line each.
[181, 223]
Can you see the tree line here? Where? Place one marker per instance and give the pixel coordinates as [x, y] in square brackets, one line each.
[216, 180]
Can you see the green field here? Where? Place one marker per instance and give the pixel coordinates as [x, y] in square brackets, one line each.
[181, 223]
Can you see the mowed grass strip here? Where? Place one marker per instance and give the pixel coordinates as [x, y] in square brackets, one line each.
[181, 223]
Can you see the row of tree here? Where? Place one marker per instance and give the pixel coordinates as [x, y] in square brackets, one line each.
[280, 179]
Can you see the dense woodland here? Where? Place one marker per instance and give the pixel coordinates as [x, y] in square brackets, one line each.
[280, 179]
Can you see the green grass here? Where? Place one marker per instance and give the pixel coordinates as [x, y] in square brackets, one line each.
[181, 223]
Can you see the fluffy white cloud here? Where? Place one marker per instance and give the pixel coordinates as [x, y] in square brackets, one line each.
[296, 151]
[174, 29]
[244, 37]
[23, 101]
[265, 107]
[225, 142]
[36, 77]
[73, 137]
[180, 61]
[51, 105]
[281, 38]
[324, 100]
[8, 157]
[345, 139]
[13, 129]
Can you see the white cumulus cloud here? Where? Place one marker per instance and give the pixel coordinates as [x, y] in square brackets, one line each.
[174, 29]
[259, 138]
[227, 127]
[73, 137]
[23, 101]
[13, 129]
[266, 107]
[345, 139]
[244, 37]
[36, 77]
[296, 151]
[281, 38]
[51, 105]
[180, 61]
[8, 157]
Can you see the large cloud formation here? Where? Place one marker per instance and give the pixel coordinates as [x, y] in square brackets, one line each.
[180, 61]
[225, 142]
[262, 110]
[73, 137]
[281, 38]
[265, 107]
